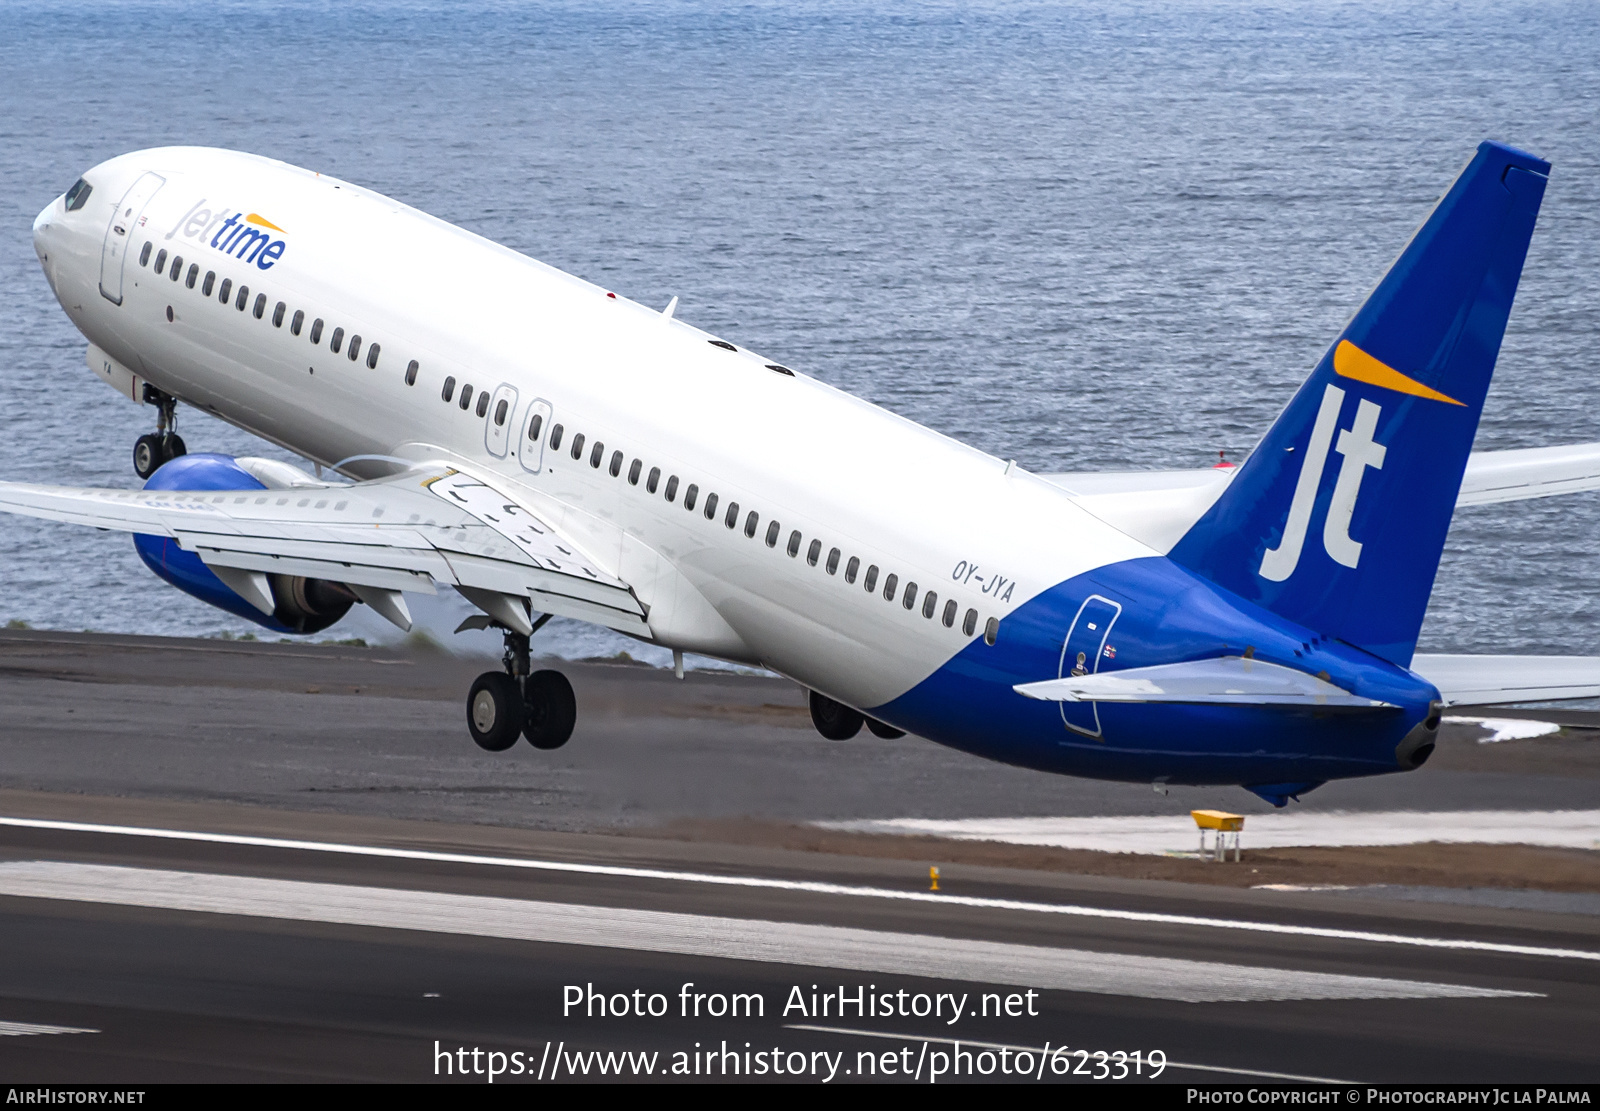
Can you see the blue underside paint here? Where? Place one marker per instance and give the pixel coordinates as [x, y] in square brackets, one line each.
[185, 570]
[1169, 615]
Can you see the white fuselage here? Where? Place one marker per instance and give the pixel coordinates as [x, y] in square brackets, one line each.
[881, 490]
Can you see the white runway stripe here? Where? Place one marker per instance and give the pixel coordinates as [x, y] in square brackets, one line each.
[814, 887]
[705, 936]
[22, 1029]
[1571, 829]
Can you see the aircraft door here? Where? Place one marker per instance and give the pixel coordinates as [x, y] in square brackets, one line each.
[119, 234]
[497, 428]
[530, 446]
[1081, 655]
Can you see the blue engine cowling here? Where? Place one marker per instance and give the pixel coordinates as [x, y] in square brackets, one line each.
[303, 605]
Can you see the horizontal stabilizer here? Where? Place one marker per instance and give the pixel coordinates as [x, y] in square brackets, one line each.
[1495, 680]
[1230, 680]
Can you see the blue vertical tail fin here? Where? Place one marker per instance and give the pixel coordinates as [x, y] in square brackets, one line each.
[1338, 518]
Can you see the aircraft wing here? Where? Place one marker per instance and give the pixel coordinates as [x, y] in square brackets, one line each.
[1540, 472]
[405, 532]
[1495, 680]
[1158, 507]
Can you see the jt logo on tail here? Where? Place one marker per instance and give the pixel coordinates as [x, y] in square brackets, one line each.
[1439, 315]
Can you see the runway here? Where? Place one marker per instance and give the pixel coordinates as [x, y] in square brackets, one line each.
[205, 959]
[224, 915]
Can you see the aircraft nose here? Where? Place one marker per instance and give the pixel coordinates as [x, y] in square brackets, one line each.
[44, 237]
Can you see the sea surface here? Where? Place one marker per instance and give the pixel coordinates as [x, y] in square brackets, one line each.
[1081, 235]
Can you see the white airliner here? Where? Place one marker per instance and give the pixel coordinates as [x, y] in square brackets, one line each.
[545, 446]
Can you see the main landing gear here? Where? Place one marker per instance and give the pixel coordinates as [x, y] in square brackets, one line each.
[164, 444]
[838, 722]
[504, 705]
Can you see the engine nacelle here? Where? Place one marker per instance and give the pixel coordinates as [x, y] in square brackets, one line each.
[303, 605]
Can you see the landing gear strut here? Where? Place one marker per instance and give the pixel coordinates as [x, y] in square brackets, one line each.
[153, 449]
[503, 704]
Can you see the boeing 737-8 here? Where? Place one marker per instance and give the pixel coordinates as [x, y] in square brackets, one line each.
[545, 446]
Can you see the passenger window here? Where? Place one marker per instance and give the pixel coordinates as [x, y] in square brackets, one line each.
[633, 472]
[205, 286]
[689, 496]
[991, 631]
[240, 301]
[851, 568]
[597, 454]
[336, 340]
[910, 597]
[577, 446]
[616, 464]
[316, 334]
[653, 478]
[969, 623]
[772, 534]
[814, 553]
[889, 585]
[355, 348]
[449, 383]
[372, 357]
[177, 268]
[144, 255]
[833, 561]
[950, 613]
[483, 403]
[870, 583]
[411, 380]
[261, 306]
[466, 395]
[226, 291]
[794, 543]
[672, 487]
[711, 506]
[555, 437]
[534, 425]
[194, 272]
[499, 411]
[277, 314]
[930, 603]
[297, 321]
[750, 524]
[161, 260]
[732, 517]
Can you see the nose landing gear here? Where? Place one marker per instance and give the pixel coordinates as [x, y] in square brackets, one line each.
[505, 704]
[164, 444]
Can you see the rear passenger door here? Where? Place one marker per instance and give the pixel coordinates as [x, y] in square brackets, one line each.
[497, 427]
[530, 445]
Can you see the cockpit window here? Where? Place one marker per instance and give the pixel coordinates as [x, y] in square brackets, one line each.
[78, 194]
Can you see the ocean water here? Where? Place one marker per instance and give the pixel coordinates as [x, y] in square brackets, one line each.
[1081, 235]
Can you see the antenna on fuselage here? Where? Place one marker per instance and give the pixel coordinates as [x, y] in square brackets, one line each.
[672, 306]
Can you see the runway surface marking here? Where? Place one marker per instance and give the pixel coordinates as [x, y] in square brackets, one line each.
[809, 886]
[1157, 835]
[1507, 729]
[706, 936]
[23, 1029]
[1049, 1049]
